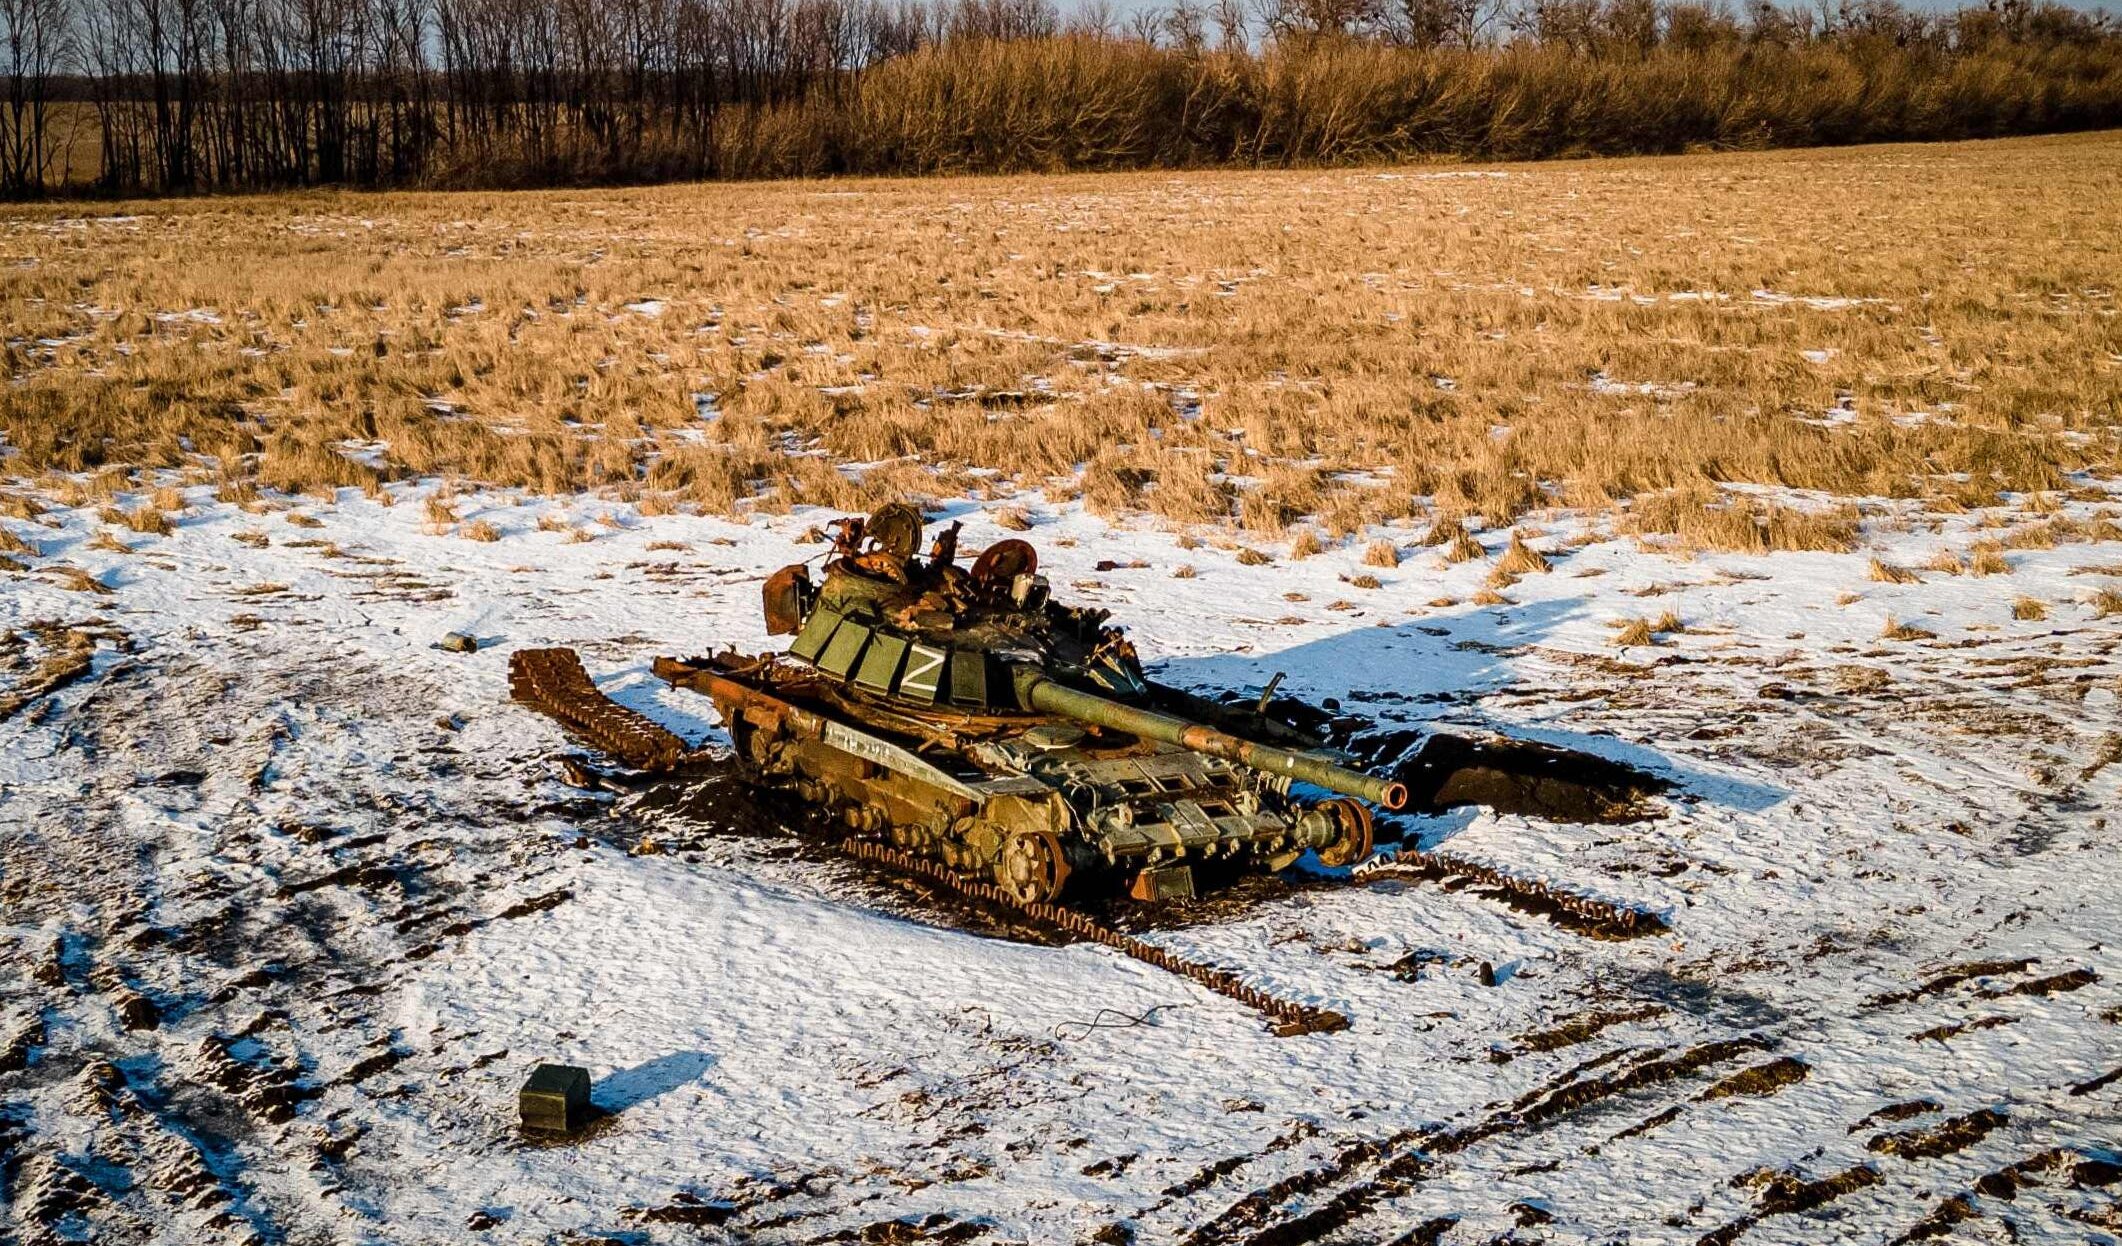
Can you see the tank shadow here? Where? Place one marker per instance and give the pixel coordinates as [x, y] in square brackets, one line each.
[1404, 684]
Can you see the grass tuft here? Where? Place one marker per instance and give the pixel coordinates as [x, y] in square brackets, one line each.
[1896, 630]
[1987, 558]
[74, 579]
[1464, 548]
[1521, 559]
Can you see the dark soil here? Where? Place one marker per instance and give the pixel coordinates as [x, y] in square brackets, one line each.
[1532, 780]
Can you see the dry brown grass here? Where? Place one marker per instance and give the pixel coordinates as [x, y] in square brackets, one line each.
[1897, 630]
[2029, 608]
[2105, 602]
[479, 530]
[1888, 573]
[1464, 548]
[441, 516]
[1521, 559]
[1308, 309]
[1381, 554]
[1632, 632]
[2037, 536]
[1703, 519]
[1986, 558]
[74, 578]
[145, 520]
[20, 506]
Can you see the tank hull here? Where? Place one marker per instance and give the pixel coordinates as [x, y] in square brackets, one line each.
[1038, 802]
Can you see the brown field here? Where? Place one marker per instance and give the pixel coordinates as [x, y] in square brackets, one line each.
[1254, 351]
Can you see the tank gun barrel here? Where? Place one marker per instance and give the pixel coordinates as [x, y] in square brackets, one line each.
[1038, 692]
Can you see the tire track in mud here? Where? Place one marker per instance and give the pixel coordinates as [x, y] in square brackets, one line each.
[209, 931]
[1402, 1161]
[1360, 1178]
[1786, 1193]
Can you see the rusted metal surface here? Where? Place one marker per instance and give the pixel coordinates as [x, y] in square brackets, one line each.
[1358, 834]
[1288, 1018]
[553, 682]
[1032, 867]
[783, 600]
[1004, 561]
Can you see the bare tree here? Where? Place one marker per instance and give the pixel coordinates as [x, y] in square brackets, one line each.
[1144, 24]
[1187, 25]
[1096, 18]
[37, 47]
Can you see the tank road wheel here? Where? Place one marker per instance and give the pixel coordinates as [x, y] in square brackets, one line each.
[1352, 817]
[1031, 867]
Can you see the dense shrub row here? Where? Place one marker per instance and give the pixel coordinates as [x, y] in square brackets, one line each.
[254, 93]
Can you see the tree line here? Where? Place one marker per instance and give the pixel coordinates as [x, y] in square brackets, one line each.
[180, 96]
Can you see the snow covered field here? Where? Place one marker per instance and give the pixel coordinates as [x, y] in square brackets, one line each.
[293, 900]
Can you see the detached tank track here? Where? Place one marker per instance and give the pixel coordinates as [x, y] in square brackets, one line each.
[1589, 914]
[1290, 1019]
[553, 682]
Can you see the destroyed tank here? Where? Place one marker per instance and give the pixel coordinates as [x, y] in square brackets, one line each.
[966, 717]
